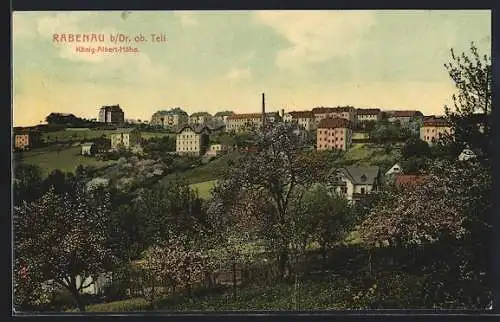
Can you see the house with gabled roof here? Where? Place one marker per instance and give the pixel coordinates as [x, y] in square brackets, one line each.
[127, 138]
[193, 139]
[355, 182]
[394, 171]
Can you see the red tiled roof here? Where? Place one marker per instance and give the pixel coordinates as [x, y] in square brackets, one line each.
[325, 110]
[409, 180]
[302, 114]
[245, 116]
[250, 116]
[404, 113]
[436, 122]
[367, 111]
[332, 123]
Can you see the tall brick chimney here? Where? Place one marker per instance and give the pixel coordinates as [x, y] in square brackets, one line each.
[263, 110]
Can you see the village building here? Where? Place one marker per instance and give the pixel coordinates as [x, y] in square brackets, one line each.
[192, 140]
[305, 119]
[217, 149]
[333, 133]
[170, 119]
[394, 171]
[220, 118]
[112, 114]
[200, 118]
[433, 129]
[355, 182]
[368, 114]
[243, 122]
[127, 138]
[88, 148]
[466, 154]
[347, 112]
[25, 140]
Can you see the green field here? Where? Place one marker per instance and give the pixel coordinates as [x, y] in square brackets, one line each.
[204, 188]
[208, 172]
[65, 160]
[85, 134]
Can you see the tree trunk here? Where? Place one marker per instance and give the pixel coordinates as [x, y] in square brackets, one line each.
[234, 279]
[80, 304]
[282, 262]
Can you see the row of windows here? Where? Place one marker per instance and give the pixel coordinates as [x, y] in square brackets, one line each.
[326, 146]
[336, 131]
[186, 143]
[189, 149]
[336, 139]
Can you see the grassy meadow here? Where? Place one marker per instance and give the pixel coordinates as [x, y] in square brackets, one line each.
[204, 188]
[87, 134]
[66, 160]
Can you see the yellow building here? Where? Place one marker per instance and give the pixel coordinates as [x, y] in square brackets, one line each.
[434, 129]
[333, 133]
[127, 138]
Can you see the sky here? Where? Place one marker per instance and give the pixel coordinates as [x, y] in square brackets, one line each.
[224, 60]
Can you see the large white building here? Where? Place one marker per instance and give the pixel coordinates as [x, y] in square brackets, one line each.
[192, 140]
[305, 119]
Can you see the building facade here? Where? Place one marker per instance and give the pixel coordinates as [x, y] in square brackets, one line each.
[243, 122]
[111, 114]
[347, 112]
[368, 114]
[305, 119]
[355, 182]
[192, 140]
[434, 129]
[88, 148]
[217, 149]
[404, 117]
[333, 133]
[172, 119]
[27, 140]
[128, 138]
[200, 118]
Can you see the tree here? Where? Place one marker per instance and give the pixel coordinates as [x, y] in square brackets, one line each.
[27, 183]
[172, 263]
[330, 217]
[414, 147]
[62, 237]
[454, 202]
[472, 76]
[277, 168]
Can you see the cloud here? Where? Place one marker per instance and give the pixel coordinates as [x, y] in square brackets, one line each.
[316, 36]
[239, 73]
[187, 18]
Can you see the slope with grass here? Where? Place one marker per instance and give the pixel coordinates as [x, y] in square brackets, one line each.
[66, 160]
[204, 188]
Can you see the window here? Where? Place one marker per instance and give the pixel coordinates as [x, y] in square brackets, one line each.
[362, 190]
